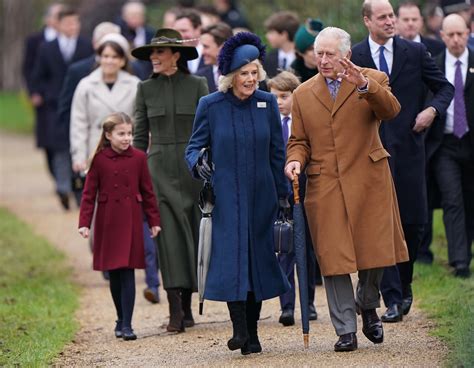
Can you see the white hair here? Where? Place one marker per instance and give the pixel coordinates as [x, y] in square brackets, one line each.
[225, 81]
[339, 34]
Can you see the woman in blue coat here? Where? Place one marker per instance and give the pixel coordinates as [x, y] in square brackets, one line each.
[241, 125]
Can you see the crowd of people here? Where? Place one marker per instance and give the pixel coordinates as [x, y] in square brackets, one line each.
[378, 134]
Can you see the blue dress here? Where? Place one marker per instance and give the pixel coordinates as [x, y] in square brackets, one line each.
[247, 150]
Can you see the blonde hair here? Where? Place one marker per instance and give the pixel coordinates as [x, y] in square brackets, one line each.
[108, 125]
[225, 81]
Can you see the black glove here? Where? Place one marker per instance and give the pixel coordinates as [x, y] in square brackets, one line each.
[204, 170]
[284, 206]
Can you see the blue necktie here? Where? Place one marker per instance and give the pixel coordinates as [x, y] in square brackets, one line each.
[285, 129]
[459, 118]
[383, 67]
[334, 88]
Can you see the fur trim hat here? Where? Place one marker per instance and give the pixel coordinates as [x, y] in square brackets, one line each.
[240, 50]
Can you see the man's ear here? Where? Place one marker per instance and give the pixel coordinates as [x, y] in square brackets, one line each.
[349, 54]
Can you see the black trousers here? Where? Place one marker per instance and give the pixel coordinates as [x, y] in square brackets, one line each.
[454, 172]
[122, 287]
[396, 280]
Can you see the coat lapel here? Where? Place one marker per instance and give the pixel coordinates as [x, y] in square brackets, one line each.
[57, 51]
[365, 56]
[111, 98]
[470, 71]
[345, 90]
[321, 91]
[399, 59]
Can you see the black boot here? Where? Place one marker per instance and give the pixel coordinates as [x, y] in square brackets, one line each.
[253, 315]
[240, 336]
[186, 295]
[176, 323]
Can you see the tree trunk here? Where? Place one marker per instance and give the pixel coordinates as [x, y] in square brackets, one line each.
[16, 17]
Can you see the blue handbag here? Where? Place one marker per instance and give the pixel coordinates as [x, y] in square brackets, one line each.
[283, 234]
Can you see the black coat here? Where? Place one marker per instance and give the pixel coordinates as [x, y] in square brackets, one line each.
[32, 44]
[270, 63]
[413, 69]
[207, 72]
[48, 77]
[434, 47]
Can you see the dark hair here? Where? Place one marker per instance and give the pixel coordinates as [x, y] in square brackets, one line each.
[67, 11]
[207, 9]
[182, 63]
[283, 21]
[118, 49]
[191, 14]
[221, 32]
[406, 4]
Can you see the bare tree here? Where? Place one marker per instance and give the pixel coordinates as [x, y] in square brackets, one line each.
[16, 19]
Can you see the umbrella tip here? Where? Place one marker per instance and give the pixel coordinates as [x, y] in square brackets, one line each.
[306, 340]
[201, 307]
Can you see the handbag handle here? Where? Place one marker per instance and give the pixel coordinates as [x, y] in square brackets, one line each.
[296, 188]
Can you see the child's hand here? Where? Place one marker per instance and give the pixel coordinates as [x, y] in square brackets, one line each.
[154, 231]
[84, 231]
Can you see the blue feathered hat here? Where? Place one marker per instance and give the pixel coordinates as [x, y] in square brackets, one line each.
[239, 50]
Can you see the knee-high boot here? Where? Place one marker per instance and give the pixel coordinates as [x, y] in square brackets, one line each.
[253, 315]
[240, 336]
[176, 323]
[186, 295]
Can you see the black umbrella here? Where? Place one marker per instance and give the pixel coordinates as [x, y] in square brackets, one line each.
[299, 244]
[206, 204]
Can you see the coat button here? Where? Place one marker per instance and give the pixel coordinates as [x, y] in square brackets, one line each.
[115, 185]
[115, 172]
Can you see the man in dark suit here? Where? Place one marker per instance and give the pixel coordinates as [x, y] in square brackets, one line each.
[410, 68]
[410, 24]
[134, 28]
[212, 39]
[450, 146]
[54, 57]
[280, 30]
[32, 44]
[188, 23]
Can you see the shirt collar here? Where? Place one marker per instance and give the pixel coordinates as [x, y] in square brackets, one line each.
[374, 46]
[329, 80]
[110, 153]
[451, 59]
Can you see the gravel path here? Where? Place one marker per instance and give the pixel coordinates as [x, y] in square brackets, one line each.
[26, 190]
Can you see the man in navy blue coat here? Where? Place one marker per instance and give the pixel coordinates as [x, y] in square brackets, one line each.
[411, 69]
[54, 57]
[32, 44]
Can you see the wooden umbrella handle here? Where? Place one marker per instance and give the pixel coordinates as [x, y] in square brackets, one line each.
[296, 188]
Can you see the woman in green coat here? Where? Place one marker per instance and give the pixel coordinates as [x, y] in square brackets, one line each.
[165, 108]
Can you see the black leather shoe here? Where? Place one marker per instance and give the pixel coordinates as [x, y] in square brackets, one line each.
[462, 272]
[346, 342]
[313, 315]
[151, 295]
[287, 317]
[393, 314]
[64, 200]
[371, 325]
[406, 304]
[127, 334]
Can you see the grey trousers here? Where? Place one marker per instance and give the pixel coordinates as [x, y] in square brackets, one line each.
[341, 301]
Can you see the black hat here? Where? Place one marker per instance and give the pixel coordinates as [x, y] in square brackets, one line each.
[166, 37]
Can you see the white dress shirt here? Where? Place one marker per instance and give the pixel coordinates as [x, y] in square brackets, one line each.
[388, 52]
[50, 34]
[194, 64]
[67, 46]
[140, 37]
[450, 68]
[288, 56]
[216, 74]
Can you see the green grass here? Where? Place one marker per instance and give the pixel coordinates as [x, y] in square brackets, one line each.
[449, 301]
[16, 113]
[37, 297]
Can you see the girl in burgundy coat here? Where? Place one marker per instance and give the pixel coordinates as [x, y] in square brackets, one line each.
[118, 179]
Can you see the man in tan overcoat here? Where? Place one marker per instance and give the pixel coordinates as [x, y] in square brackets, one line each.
[350, 201]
